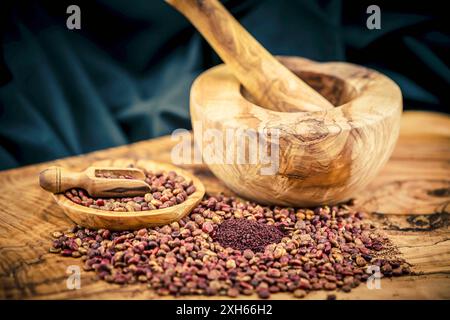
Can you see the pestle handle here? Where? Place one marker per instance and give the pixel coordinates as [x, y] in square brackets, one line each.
[270, 83]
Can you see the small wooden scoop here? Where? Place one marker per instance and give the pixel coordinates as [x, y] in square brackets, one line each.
[99, 219]
[57, 180]
[271, 84]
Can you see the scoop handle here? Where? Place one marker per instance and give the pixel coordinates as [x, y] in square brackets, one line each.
[270, 83]
[57, 179]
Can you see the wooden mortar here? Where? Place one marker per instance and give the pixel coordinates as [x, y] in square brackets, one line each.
[325, 157]
[326, 154]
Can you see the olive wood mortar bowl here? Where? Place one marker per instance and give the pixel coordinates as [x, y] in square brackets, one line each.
[325, 157]
[102, 219]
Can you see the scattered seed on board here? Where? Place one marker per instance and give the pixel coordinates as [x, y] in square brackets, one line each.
[224, 252]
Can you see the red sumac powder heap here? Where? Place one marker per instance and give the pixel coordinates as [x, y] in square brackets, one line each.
[245, 234]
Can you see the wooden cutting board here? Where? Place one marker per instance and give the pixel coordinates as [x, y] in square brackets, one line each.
[410, 199]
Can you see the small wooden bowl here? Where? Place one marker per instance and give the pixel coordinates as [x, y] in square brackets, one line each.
[325, 157]
[99, 219]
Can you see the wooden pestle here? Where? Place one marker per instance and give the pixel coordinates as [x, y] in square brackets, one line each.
[271, 84]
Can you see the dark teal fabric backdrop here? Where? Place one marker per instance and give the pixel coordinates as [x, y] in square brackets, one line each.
[125, 76]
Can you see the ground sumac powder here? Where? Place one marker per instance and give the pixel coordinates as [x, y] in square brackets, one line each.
[242, 234]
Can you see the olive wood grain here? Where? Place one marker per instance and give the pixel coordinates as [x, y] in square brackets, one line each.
[272, 84]
[324, 157]
[415, 218]
[98, 219]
